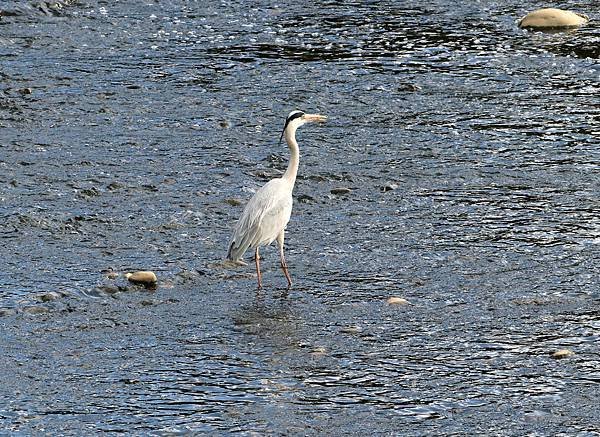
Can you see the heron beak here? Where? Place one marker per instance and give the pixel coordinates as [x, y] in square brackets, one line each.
[315, 118]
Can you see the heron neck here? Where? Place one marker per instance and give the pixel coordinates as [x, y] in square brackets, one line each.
[292, 170]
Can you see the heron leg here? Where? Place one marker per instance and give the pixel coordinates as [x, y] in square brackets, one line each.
[257, 260]
[284, 266]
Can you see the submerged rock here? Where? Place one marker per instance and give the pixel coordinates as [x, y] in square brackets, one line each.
[185, 276]
[352, 329]
[233, 201]
[340, 191]
[49, 296]
[390, 186]
[305, 198]
[409, 87]
[318, 351]
[552, 18]
[6, 312]
[107, 289]
[35, 309]
[142, 277]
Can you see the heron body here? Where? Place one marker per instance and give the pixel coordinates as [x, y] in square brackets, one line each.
[265, 216]
[268, 212]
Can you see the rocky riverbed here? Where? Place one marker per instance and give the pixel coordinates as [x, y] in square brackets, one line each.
[443, 243]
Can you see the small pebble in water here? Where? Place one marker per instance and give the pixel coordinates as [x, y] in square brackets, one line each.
[397, 301]
[142, 277]
[351, 329]
[49, 297]
[233, 202]
[340, 191]
[318, 351]
[408, 87]
[305, 198]
[112, 275]
[549, 18]
[562, 353]
[390, 186]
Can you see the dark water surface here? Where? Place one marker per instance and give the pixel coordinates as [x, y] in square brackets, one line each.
[129, 130]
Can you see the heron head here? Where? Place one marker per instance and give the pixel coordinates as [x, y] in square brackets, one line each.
[295, 119]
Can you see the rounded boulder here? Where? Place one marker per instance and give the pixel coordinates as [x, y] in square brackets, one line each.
[552, 18]
[142, 277]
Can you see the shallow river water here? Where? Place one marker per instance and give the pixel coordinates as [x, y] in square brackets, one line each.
[458, 169]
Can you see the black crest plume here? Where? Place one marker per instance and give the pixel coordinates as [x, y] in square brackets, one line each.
[293, 115]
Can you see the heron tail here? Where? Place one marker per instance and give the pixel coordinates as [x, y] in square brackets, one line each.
[233, 255]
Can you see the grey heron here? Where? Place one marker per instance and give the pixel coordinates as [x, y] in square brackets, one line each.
[268, 212]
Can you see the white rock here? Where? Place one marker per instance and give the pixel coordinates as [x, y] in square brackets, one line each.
[552, 18]
[142, 277]
[397, 301]
[562, 353]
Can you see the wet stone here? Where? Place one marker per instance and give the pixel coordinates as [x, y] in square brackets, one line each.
[351, 329]
[340, 191]
[411, 87]
[536, 416]
[89, 192]
[186, 276]
[397, 301]
[233, 202]
[35, 309]
[107, 289]
[130, 381]
[305, 198]
[142, 277]
[552, 18]
[390, 186]
[562, 353]
[167, 284]
[6, 312]
[48, 297]
[115, 186]
[274, 158]
[318, 351]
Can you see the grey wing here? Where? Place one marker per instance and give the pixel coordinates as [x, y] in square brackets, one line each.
[265, 215]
